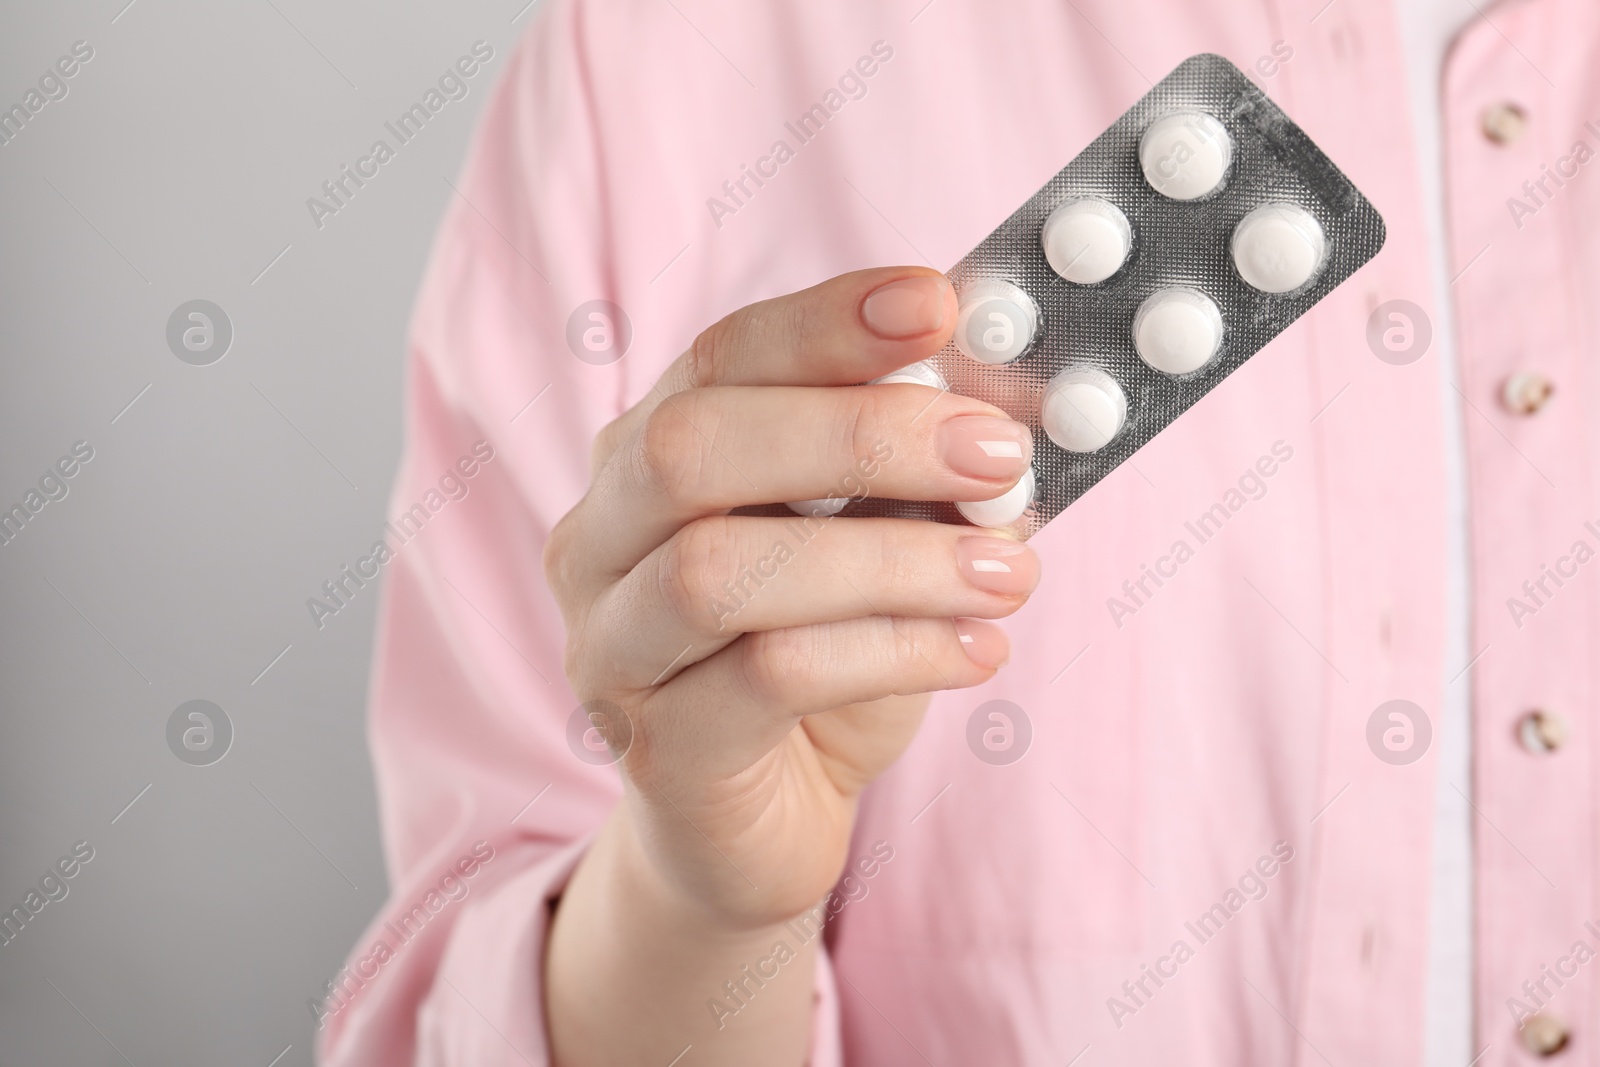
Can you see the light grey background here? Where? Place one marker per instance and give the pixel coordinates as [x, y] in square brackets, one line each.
[178, 566]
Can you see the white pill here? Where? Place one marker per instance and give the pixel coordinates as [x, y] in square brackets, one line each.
[1278, 247]
[1185, 155]
[1086, 240]
[819, 508]
[1004, 509]
[1083, 408]
[917, 374]
[1177, 330]
[996, 321]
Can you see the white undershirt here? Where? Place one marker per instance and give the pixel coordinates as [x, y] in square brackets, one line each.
[1426, 29]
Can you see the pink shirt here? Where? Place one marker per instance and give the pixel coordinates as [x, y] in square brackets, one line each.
[1199, 770]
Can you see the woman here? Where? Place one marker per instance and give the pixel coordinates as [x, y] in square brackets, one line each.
[1197, 828]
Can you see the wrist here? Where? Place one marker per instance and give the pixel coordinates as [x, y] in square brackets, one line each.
[656, 896]
[635, 970]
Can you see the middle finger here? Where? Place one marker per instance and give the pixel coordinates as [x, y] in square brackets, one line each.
[707, 451]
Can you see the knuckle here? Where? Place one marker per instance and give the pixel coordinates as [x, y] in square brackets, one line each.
[780, 324]
[563, 566]
[689, 567]
[863, 426]
[672, 455]
[906, 645]
[920, 643]
[606, 443]
[777, 663]
[709, 352]
[558, 558]
[844, 428]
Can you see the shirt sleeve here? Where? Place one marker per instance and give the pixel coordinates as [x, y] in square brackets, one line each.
[485, 808]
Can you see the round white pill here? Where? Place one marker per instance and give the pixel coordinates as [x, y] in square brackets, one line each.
[996, 321]
[819, 508]
[1177, 330]
[1278, 247]
[1004, 509]
[1086, 240]
[1083, 408]
[1185, 155]
[917, 374]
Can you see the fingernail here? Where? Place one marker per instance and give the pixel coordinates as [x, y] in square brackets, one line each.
[984, 644]
[996, 565]
[980, 446]
[906, 308]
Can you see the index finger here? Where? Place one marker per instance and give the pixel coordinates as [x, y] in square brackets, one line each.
[848, 329]
[845, 330]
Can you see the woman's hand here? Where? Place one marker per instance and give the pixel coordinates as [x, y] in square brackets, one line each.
[768, 668]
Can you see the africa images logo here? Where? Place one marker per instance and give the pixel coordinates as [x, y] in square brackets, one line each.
[737, 192]
[405, 527]
[453, 84]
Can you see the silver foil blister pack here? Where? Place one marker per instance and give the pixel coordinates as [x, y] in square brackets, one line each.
[1244, 194]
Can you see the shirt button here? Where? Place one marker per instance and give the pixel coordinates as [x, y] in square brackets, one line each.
[1504, 122]
[1542, 731]
[1525, 392]
[1544, 1034]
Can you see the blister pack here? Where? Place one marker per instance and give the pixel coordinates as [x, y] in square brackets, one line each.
[1183, 239]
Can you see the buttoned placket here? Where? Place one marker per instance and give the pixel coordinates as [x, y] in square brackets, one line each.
[1512, 116]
